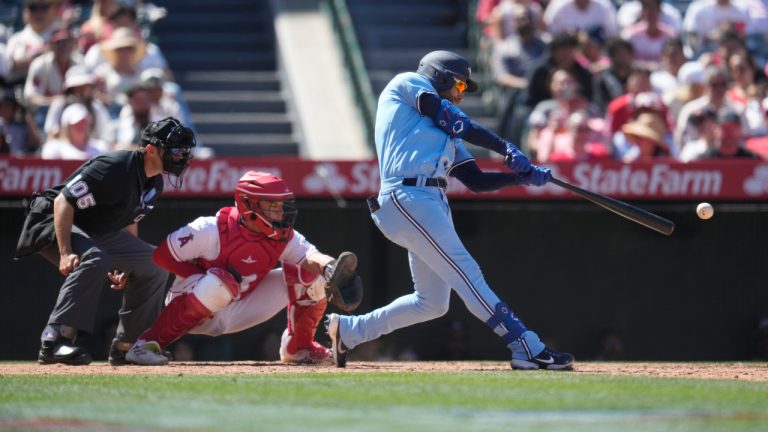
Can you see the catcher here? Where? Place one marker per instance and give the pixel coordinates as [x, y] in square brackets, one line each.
[226, 280]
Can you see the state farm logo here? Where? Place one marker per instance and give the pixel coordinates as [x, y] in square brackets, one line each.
[325, 177]
[757, 184]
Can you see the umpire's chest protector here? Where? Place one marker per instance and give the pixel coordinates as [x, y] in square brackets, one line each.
[248, 255]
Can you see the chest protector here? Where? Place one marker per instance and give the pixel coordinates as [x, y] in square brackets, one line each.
[246, 254]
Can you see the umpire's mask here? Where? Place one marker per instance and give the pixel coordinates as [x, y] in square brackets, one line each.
[176, 141]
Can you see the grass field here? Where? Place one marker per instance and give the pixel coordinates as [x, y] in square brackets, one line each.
[306, 399]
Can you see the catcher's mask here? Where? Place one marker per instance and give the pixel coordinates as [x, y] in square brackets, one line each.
[176, 141]
[267, 203]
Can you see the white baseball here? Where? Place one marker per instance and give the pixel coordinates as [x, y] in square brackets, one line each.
[705, 210]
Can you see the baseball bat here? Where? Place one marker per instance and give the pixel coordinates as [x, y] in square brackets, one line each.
[635, 214]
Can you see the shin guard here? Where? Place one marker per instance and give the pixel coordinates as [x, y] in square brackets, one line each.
[181, 315]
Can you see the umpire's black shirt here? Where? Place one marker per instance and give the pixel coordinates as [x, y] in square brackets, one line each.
[108, 193]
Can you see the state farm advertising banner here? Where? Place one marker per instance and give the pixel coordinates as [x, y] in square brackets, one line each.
[713, 180]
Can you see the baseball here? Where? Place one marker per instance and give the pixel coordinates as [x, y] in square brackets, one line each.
[705, 210]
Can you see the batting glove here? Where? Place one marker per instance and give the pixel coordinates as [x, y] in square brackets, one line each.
[537, 176]
[516, 160]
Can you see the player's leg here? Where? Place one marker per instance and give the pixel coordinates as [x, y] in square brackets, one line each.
[211, 294]
[430, 235]
[76, 305]
[306, 306]
[143, 293]
[430, 300]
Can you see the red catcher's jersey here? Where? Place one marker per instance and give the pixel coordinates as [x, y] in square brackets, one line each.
[248, 255]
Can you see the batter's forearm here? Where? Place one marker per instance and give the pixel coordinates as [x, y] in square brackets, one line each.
[478, 181]
[63, 217]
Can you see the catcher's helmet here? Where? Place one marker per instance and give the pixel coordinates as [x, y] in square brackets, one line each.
[176, 141]
[440, 67]
[268, 203]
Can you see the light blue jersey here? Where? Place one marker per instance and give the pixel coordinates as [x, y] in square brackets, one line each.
[408, 143]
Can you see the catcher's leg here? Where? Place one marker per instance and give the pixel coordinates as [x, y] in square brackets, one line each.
[306, 307]
[212, 293]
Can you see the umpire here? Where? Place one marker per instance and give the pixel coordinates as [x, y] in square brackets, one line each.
[88, 226]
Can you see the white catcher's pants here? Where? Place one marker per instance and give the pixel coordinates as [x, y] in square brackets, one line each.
[269, 298]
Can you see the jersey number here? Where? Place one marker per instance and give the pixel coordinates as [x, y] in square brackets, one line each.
[80, 191]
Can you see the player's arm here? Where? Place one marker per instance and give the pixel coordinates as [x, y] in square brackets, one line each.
[179, 252]
[457, 124]
[63, 218]
[163, 258]
[133, 229]
[316, 262]
[477, 180]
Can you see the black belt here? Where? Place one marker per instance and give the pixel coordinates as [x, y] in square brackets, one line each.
[431, 182]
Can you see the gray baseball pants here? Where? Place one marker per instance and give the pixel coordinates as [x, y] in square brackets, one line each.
[79, 295]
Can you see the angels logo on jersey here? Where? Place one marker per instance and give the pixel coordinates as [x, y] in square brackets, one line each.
[186, 239]
[249, 260]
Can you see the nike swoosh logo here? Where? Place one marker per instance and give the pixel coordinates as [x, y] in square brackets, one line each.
[549, 360]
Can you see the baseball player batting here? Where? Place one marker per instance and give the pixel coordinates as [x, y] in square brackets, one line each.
[226, 279]
[87, 227]
[419, 141]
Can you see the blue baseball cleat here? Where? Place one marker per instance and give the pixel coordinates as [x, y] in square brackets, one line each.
[547, 359]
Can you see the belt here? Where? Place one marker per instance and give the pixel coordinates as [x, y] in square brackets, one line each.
[431, 182]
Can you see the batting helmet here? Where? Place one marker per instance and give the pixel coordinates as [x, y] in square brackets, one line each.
[175, 140]
[440, 67]
[268, 203]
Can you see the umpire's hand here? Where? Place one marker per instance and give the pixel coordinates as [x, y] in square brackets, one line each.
[68, 262]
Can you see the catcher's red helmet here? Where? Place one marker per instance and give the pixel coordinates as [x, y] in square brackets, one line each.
[267, 202]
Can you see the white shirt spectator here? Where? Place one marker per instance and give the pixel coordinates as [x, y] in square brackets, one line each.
[26, 42]
[629, 13]
[44, 77]
[646, 47]
[564, 15]
[62, 149]
[101, 128]
[153, 58]
[758, 16]
[704, 16]
[75, 142]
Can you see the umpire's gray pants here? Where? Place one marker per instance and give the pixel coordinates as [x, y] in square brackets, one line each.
[79, 295]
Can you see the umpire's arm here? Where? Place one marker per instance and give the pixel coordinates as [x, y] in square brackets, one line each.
[63, 217]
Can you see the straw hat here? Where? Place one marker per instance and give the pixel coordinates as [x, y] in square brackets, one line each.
[647, 125]
[123, 37]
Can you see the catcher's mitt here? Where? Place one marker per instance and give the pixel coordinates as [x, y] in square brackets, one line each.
[344, 287]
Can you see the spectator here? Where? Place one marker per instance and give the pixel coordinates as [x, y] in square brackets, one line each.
[705, 20]
[578, 141]
[730, 42]
[553, 113]
[591, 50]
[717, 86]
[164, 104]
[622, 109]
[125, 17]
[759, 145]
[611, 83]
[134, 116]
[75, 141]
[691, 84]
[4, 148]
[97, 26]
[504, 21]
[631, 11]
[123, 51]
[744, 92]
[79, 88]
[45, 79]
[664, 78]
[483, 14]
[729, 138]
[23, 47]
[646, 139]
[573, 15]
[648, 35]
[562, 55]
[705, 123]
[21, 134]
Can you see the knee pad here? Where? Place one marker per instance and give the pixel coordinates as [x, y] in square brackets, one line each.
[503, 316]
[213, 292]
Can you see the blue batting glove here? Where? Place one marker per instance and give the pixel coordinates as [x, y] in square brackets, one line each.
[537, 176]
[516, 160]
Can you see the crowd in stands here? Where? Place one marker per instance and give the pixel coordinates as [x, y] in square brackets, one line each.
[629, 81]
[80, 78]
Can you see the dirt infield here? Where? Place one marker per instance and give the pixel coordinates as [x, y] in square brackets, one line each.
[731, 371]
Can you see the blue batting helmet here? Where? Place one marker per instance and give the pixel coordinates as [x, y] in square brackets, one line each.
[441, 66]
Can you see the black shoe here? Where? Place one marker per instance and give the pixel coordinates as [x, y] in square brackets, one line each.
[547, 359]
[338, 350]
[64, 352]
